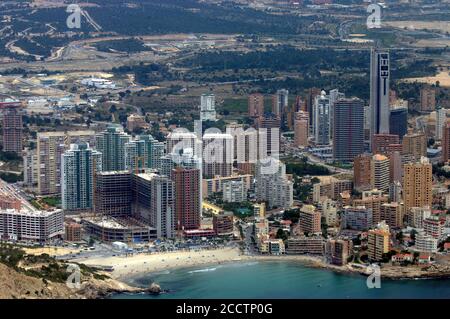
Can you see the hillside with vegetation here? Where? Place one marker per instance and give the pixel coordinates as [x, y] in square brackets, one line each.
[24, 276]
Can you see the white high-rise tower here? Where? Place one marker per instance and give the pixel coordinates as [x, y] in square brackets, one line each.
[78, 167]
[208, 107]
[441, 117]
[321, 119]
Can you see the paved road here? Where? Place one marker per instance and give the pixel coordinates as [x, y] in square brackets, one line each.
[15, 192]
[248, 234]
[136, 108]
[314, 160]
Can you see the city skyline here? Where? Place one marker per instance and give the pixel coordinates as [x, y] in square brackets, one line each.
[209, 149]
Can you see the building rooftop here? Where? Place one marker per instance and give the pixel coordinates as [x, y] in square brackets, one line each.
[176, 134]
[380, 157]
[218, 177]
[115, 222]
[69, 133]
[217, 135]
[199, 231]
[148, 176]
[382, 232]
[81, 132]
[35, 213]
[112, 173]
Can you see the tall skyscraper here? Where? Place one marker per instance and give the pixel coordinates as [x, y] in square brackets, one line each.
[301, 129]
[446, 142]
[441, 119]
[380, 172]
[166, 165]
[135, 155]
[255, 105]
[217, 154]
[179, 142]
[111, 143]
[274, 188]
[187, 197]
[395, 166]
[417, 184]
[379, 91]
[30, 167]
[348, 129]
[245, 146]
[398, 121]
[50, 147]
[321, 119]
[154, 202]
[12, 126]
[427, 99]
[361, 169]
[154, 150]
[414, 144]
[395, 192]
[143, 152]
[79, 165]
[312, 93]
[113, 193]
[268, 134]
[280, 104]
[298, 105]
[334, 95]
[367, 124]
[237, 131]
[208, 107]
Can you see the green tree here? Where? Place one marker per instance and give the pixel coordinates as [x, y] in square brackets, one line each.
[281, 234]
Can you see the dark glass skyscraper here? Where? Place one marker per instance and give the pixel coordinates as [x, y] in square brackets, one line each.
[348, 128]
[398, 121]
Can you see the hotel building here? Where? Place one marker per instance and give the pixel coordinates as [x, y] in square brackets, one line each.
[37, 226]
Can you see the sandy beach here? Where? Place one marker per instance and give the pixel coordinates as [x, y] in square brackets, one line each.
[130, 266]
[127, 266]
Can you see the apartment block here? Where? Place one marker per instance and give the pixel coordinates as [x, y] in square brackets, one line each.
[305, 245]
[50, 147]
[113, 193]
[417, 184]
[310, 220]
[37, 226]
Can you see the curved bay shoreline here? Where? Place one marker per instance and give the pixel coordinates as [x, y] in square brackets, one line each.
[126, 269]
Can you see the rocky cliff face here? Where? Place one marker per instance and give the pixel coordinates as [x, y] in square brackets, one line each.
[15, 285]
[429, 271]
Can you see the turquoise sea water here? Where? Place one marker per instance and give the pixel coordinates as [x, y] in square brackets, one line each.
[280, 280]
